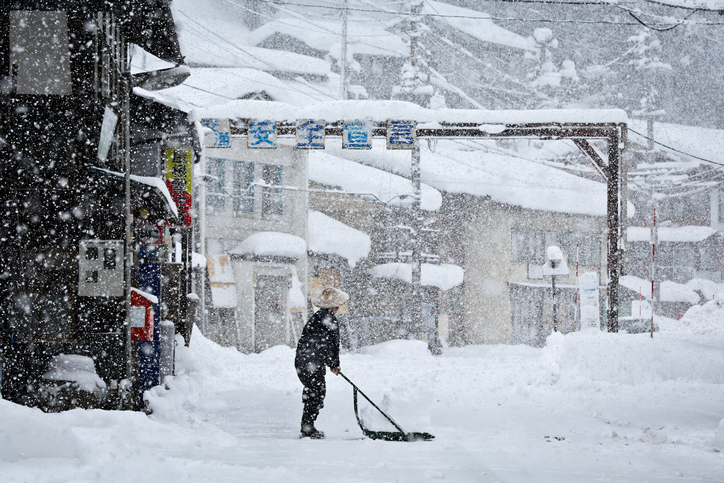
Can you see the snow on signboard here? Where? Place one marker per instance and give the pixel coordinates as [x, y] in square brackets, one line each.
[310, 134]
[262, 134]
[357, 135]
[401, 134]
[221, 133]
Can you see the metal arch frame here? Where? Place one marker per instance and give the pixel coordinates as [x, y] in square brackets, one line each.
[580, 133]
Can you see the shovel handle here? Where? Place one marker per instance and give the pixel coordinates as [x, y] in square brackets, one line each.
[397, 426]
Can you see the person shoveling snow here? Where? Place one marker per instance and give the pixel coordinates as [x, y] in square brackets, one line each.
[318, 346]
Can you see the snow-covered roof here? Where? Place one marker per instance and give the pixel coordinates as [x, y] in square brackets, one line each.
[272, 243]
[208, 50]
[513, 181]
[444, 276]
[364, 36]
[703, 142]
[356, 178]
[327, 235]
[476, 24]
[672, 291]
[208, 86]
[671, 234]
[381, 111]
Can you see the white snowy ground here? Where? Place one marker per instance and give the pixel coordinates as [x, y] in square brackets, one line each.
[587, 407]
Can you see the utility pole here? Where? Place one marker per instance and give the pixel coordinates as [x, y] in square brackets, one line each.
[416, 261]
[343, 56]
[654, 228]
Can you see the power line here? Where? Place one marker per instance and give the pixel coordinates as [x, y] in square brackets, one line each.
[676, 150]
[665, 21]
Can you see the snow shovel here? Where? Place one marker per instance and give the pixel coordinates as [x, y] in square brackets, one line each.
[399, 435]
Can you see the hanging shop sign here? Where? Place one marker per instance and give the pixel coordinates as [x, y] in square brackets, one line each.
[401, 134]
[221, 133]
[357, 135]
[262, 134]
[310, 134]
[149, 234]
[179, 177]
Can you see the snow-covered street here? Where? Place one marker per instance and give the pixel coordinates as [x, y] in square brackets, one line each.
[587, 407]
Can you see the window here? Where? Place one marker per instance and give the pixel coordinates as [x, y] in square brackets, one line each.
[215, 192]
[43, 299]
[529, 246]
[39, 52]
[675, 261]
[271, 198]
[691, 210]
[708, 257]
[242, 191]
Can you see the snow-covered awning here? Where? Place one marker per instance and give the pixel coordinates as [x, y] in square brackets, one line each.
[444, 276]
[145, 184]
[327, 235]
[671, 234]
[272, 244]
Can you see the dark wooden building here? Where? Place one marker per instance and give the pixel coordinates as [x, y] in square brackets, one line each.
[74, 216]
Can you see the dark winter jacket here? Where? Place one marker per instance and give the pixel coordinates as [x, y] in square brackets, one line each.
[319, 344]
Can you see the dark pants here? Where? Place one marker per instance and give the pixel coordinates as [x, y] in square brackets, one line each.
[313, 394]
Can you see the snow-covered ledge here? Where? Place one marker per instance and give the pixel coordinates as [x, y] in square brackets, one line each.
[272, 244]
[444, 276]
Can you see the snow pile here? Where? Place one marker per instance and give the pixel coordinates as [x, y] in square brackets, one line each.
[74, 368]
[327, 235]
[272, 243]
[28, 433]
[707, 319]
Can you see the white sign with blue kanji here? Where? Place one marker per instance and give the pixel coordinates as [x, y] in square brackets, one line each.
[357, 135]
[401, 134]
[221, 135]
[310, 134]
[262, 134]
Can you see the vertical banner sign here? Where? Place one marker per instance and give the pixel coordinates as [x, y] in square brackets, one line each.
[357, 135]
[179, 172]
[310, 134]
[262, 134]
[401, 134]
[222, 133]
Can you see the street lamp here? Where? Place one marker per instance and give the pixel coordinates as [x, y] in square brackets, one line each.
[555, 266]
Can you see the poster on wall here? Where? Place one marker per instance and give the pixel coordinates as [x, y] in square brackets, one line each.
[179, 177]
